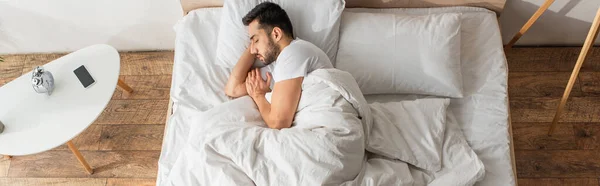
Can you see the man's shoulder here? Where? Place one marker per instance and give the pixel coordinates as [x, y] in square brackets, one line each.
[302, 48]
[303, 44]
[303, 52]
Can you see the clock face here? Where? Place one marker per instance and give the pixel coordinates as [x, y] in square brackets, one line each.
[35, 81]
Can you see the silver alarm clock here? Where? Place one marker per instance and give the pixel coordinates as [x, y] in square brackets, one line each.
[42, 81]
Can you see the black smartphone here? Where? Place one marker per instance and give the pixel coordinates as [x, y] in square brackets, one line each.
[84, 77]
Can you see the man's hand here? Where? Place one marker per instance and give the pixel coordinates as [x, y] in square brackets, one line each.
[255, 85]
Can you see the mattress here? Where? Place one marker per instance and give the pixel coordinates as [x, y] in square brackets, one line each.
[197, 85]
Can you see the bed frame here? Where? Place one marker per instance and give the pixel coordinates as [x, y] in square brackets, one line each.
[494, 5]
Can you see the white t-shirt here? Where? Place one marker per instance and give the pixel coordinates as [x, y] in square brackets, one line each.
[296, 60]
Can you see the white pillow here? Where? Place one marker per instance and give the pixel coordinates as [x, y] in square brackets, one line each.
[400, 54]
[316, 21]
[411, 131]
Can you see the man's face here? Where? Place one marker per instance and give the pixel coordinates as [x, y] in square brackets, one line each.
[262, 44]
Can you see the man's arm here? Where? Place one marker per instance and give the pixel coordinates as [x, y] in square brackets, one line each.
[284, 101]
[235, 86]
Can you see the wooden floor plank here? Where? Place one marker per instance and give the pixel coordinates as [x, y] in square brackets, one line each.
[4, 166]
[542, 109]
[134, 112]
[534, 136]
[130, 182]
[87, 140]
[591, 63]
[558, 181]
[593, 60]
[557, 163]
[588, 135]
[567, 136]
[538, 59]
[540, 84]
[132, 137]
[53, 181]
[145, 87]
[147, 63]
[11, 68]
[106, 164]
[590, 83]
[550, 59]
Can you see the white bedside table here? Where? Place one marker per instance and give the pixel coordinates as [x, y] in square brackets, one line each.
[37, 122]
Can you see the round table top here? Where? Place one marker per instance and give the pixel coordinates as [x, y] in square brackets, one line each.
[37, 122]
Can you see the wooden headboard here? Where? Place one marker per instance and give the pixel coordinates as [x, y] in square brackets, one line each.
[494, 5]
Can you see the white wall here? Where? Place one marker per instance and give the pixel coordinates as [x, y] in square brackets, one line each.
[32, 26]
[566, 22]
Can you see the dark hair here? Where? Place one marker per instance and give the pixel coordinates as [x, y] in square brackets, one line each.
[269, 16]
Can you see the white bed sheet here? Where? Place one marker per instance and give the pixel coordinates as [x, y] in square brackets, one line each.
[482, 113]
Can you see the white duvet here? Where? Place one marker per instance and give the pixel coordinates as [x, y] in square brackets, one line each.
[336, 139]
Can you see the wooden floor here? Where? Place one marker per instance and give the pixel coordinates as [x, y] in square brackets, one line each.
[537, 79]
[123, 145]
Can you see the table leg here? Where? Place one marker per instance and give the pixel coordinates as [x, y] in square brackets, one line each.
[124, 86]
[87, 167]
[530, 22]
[587, 46]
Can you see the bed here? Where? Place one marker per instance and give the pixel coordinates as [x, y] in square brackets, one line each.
[482, 114]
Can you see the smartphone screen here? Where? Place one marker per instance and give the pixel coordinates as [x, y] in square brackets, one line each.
[84, 76]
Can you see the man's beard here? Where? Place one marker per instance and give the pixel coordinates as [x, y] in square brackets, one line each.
[271, 53]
